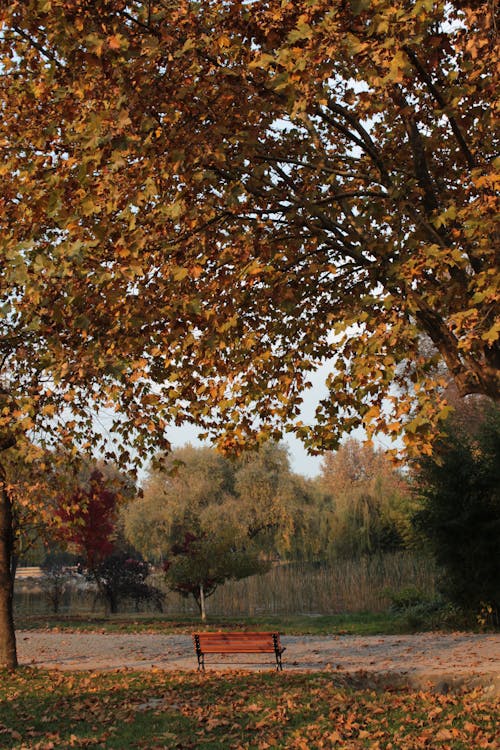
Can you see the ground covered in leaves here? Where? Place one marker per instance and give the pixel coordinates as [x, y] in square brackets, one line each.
[151, 710]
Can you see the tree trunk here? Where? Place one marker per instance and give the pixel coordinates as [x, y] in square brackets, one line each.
[202, 603]
[14, 560]
[8, 653]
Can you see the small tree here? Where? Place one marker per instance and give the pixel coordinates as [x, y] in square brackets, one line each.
[204, 561]
[460, 519]
[120, 576]
[87, 519]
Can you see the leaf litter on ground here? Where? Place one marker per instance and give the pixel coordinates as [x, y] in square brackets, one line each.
[42, 710]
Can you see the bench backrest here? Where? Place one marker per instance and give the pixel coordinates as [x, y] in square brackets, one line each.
[237, 643]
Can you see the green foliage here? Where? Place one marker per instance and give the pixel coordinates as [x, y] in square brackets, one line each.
[265, 490]
[199, 491]
[199, 564]
[192, 485]
[360, 505]
[417, 611]
[407, 597]
[208, 518]
[460, 487]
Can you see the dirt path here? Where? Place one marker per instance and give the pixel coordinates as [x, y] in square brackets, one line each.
[435, 660]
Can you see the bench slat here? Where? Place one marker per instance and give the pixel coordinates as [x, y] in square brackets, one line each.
[224, 638]
[230, 649]
[236, 636]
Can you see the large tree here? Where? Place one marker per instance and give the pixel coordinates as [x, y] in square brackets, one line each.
[197, 491]
[218, 196]
[189, 483]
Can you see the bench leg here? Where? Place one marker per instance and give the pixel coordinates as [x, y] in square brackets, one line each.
[201, 662]
[279, 665]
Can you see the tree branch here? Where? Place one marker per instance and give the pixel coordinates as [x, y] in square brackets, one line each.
[426, 78]
[419, 155]
[363, 139]
[49, 55]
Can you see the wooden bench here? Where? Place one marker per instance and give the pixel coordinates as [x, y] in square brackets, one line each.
[237, 643]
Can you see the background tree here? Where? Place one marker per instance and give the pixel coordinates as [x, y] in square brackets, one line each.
[190, 484]
[87, 520]
[251, 494]
[308, 534]
[58, 571]
[371, 503]
[120, 576]
[460, 519]
[265, 488]
[88, 523]
[209, 518]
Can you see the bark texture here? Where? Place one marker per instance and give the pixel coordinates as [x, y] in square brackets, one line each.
[8, 653]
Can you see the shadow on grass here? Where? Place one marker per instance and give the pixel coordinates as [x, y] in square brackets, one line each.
[124, 709]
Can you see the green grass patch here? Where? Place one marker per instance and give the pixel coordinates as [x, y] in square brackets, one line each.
[353, 624]
[150, 710]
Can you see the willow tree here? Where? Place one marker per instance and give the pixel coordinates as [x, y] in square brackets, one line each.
[372, 502]
[218, 196]
[190, 518]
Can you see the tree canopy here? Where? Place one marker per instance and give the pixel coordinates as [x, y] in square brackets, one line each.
[203, 516]
[201, 202]
[198, 492]
[371, 503]
[219, 196]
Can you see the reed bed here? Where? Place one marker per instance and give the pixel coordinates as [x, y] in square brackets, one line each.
[347, 586]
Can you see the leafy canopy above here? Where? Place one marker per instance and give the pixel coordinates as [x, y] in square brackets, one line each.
[201, 202]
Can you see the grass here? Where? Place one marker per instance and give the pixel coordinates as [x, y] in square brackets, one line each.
[152, 710]
[358, 623]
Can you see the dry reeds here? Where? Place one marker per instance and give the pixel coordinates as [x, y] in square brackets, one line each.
[287, 589]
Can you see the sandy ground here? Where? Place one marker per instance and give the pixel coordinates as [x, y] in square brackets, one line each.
[429, 660]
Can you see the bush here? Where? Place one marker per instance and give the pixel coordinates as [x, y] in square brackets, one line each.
[460, 518]
[406, 598]
[417, 611]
